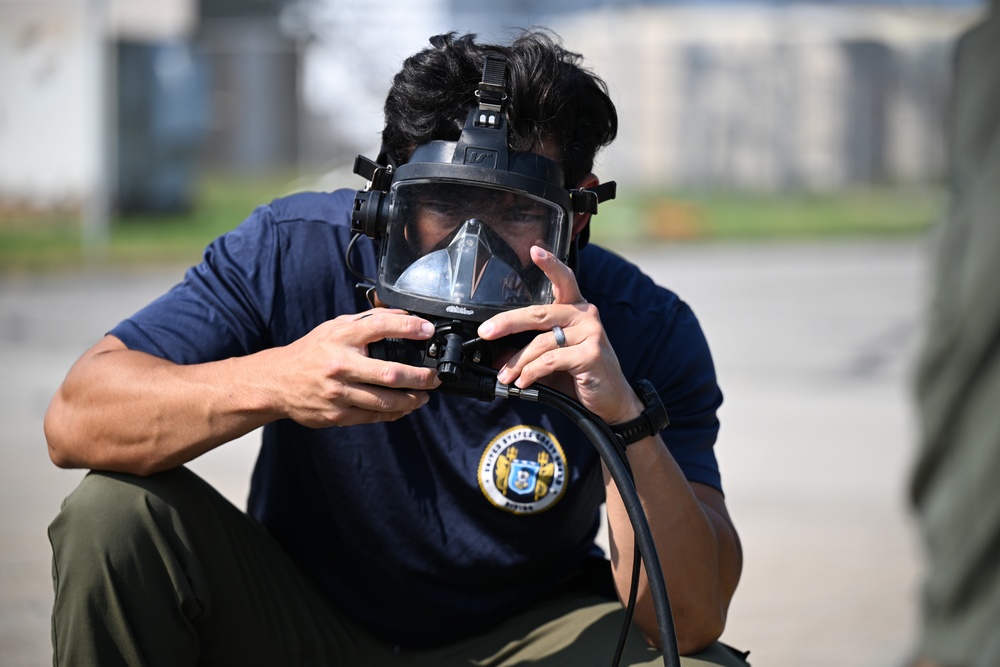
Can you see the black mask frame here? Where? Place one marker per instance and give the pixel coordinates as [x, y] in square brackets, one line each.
[481, 157]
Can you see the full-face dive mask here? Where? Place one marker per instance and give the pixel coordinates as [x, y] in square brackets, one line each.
[456, 222]
[454, 227]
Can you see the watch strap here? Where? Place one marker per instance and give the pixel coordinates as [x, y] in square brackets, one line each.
[652, 420]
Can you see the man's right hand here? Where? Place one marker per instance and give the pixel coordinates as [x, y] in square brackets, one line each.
[326, 378]
[128, 411]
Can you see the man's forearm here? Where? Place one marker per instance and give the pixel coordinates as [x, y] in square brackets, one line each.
[696, 544]
[131, 412]
[128, 411]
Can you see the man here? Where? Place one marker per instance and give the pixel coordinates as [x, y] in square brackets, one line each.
[958, 384]
[391, 523]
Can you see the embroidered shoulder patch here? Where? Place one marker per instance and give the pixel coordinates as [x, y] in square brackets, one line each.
[523, 470]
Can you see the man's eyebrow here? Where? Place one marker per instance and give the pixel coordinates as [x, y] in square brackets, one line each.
[528, 208]
[439, 201]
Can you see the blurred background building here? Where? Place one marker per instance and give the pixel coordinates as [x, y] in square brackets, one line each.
[120, 104]
[814, 98]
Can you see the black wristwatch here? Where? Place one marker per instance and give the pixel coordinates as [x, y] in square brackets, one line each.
[652, 420]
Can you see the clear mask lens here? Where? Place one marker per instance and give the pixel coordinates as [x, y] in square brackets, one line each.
[465, 244]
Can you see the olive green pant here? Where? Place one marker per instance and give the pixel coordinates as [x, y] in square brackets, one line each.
[163, 570]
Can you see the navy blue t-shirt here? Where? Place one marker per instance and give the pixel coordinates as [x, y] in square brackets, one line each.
[455, 517]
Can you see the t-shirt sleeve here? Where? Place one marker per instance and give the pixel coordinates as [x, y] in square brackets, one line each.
[681, 367]
[656, 336]
[221, 308]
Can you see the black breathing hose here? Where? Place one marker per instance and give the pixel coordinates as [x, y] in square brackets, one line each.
[606, 443]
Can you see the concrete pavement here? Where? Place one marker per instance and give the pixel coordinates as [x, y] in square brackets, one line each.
[812, 345]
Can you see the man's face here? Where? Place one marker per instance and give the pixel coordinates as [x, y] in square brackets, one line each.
[517, 219]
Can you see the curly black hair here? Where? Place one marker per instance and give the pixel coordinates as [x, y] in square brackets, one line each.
[551, 97]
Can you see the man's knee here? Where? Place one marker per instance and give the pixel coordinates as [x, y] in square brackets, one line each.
[117, 547]
[109, 516]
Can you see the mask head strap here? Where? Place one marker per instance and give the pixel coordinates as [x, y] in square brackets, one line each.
[491, 92]
[484, 138]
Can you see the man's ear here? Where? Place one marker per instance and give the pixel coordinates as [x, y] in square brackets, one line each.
[580, 220]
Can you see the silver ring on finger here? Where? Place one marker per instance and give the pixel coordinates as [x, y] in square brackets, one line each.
[560, 336]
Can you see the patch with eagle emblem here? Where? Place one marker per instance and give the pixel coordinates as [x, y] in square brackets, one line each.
[523, 470]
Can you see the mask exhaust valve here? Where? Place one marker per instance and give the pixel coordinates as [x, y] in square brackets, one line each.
[450, 366]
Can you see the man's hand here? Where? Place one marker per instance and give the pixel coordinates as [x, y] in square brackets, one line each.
[124, 410]
[587, 358]
[326, 378]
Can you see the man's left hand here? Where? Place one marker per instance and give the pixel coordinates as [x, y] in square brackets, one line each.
[587, 357]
